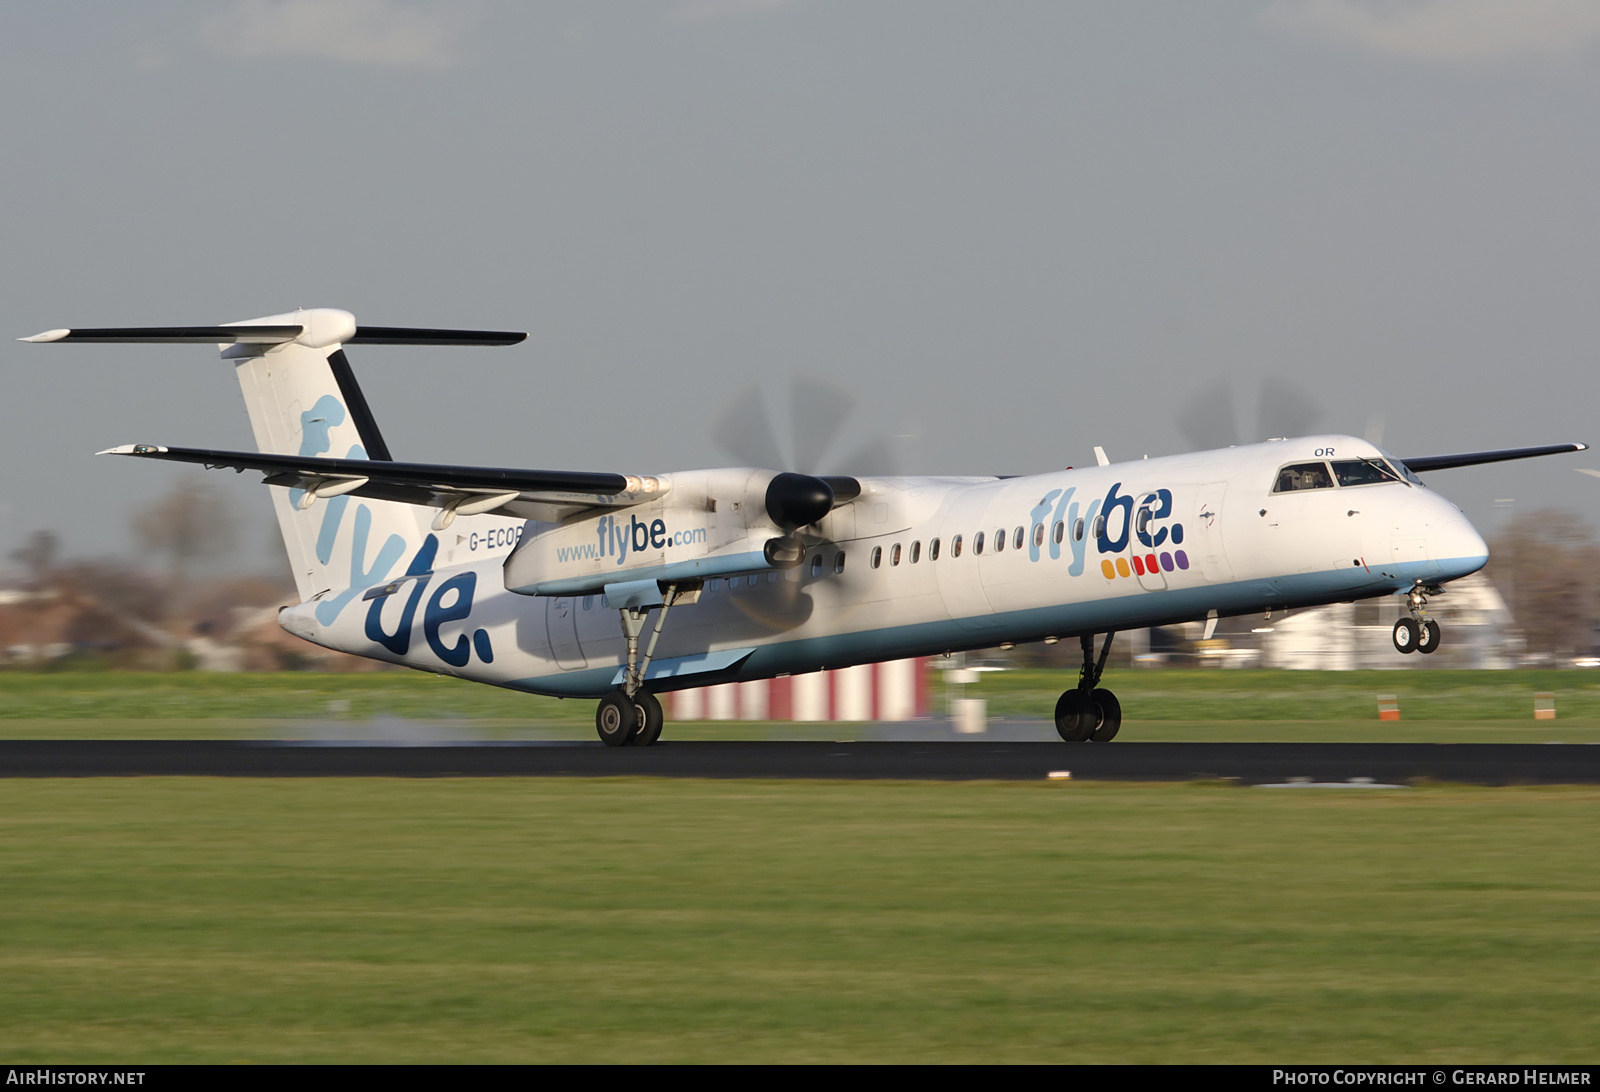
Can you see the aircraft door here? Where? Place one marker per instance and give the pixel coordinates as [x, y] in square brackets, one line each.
[1203, 538]
[561, 624]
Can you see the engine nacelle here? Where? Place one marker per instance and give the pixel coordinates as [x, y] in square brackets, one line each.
[707, 524]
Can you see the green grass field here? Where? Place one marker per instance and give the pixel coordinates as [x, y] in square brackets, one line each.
[1436, 706]
[173, 920]
[151, 919]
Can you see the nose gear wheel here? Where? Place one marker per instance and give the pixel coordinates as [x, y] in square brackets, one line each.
[1419, 633]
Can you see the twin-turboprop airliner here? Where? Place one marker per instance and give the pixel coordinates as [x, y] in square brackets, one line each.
[545, 581]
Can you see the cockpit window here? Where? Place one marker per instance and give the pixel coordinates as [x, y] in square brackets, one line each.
[1363, 471]
[1303, 476]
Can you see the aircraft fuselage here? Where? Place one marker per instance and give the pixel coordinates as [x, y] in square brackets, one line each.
[913, 566]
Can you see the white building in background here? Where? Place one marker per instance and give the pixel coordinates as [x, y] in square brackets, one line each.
[1478, 633]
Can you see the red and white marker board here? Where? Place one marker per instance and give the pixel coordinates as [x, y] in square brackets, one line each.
[896, 690]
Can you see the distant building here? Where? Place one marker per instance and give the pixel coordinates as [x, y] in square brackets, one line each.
[1478, 633]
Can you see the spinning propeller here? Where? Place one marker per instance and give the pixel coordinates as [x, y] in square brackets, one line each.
[1283, 408]
[819, 410]
[798, 496]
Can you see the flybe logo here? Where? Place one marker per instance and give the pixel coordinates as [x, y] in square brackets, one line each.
[450, 602]
[618, 540]
[1134, 528]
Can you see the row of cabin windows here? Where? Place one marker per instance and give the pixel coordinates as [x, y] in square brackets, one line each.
[998, 543]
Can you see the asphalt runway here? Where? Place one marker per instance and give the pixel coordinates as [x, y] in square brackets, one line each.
[1293, 764]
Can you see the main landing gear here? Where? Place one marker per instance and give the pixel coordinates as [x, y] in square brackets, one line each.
[631, 716]
[1089, 713]
[629, 722]
[1419, 633]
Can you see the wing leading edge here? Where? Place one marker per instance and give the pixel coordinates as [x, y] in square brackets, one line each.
[249, 333]
[1425, 463]
[454, 490]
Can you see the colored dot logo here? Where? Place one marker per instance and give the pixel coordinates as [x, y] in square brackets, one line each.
[1145, 564]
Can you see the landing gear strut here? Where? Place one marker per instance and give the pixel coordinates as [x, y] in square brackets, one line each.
[1089, 713]
[1419, 633]
[631, 715]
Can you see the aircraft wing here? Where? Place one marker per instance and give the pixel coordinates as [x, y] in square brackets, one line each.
[1473, 458]
[455, 490]
[255, 333]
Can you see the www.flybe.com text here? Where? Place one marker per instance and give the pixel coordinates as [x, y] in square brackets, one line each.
[618, 540]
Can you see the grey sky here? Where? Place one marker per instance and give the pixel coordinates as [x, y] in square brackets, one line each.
[1016, 230]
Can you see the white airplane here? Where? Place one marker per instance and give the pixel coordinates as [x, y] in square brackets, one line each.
[543, 581]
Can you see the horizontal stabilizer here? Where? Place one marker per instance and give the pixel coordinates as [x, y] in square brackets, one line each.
[174, 335]
[405, 335]
[529, 494]
[272, 335]
[1474, 458]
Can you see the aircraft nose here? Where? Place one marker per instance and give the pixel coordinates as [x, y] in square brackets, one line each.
[1455, 544]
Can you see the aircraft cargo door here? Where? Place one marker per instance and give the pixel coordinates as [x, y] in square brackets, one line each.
[561, 624]
[1203, 542]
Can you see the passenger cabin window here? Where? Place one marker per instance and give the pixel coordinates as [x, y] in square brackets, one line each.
[1303, 476]
[816, 565]
[877, 556]
[1000, 540]
[933, 550]
[977, 543]
[1077, 531]
[838, 562]
[1099, 526]
[955, 546]
[1363, 472]
[1060, 532]
[894, 554]
[1016, 539]
[916, 552]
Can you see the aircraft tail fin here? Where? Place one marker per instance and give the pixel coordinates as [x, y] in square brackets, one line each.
[303, 399]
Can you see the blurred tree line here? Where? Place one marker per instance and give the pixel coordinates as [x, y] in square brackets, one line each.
[1546, 565]
[136, 613]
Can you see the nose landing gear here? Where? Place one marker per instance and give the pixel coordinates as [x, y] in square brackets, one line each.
[1419, 633]
[1088, 712]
